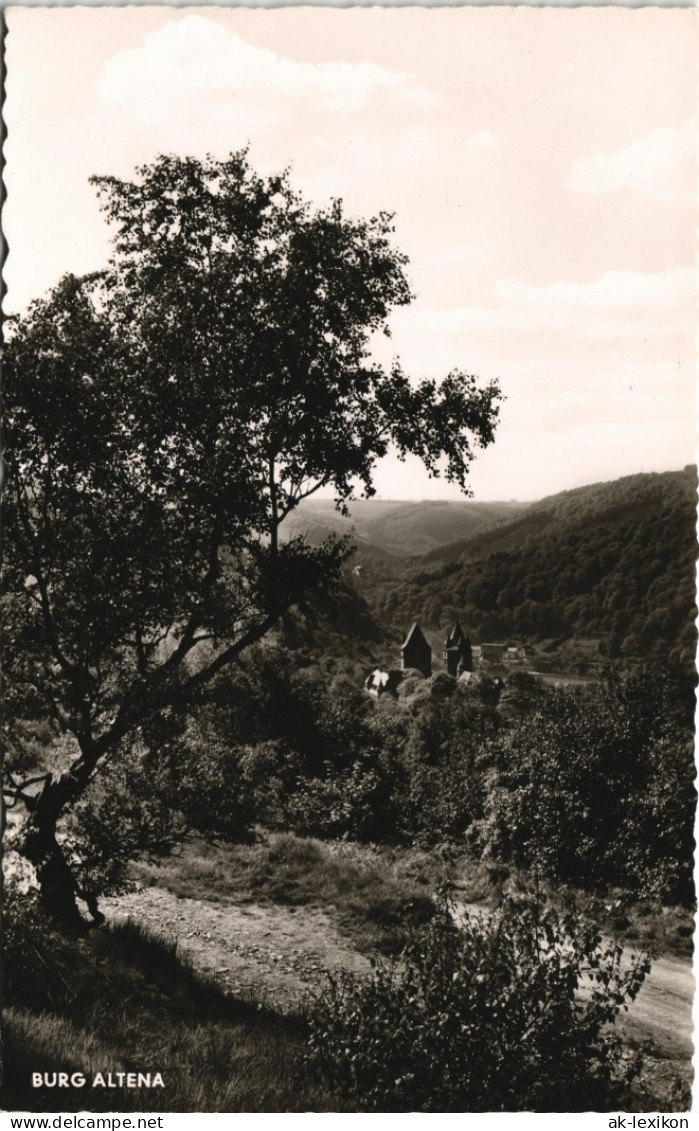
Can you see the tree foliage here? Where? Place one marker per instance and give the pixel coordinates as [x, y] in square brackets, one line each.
[597, 789]
[163, 417]
[509, 1012]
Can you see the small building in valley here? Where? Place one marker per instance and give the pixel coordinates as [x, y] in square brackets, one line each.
[493, 653]
[380, 682]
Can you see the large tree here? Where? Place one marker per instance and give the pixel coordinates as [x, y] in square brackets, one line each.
[163, 416]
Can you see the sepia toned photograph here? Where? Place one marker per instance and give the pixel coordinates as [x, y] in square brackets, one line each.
[349, 548]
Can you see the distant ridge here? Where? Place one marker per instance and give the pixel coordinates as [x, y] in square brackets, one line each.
[401, 528]
[607, 499]
[612, 562]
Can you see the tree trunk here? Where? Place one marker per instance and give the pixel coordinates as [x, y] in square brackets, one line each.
[58, 887]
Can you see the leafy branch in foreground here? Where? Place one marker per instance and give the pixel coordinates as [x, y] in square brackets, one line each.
[506, 1012]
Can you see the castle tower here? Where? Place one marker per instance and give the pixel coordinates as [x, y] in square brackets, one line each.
[457, 651]
[415, 652]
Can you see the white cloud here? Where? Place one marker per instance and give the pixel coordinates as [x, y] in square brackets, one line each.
[613, 291]
[484, 140]
[196, 58]
[355, 167]
[615, 304]
[656, 165]
[323, 185]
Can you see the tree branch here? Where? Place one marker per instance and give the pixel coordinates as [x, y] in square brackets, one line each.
[229, 654]
[152, 700]
[188, 639]
[274, 525]
[16, 790]
[298, 498]
[45, 603]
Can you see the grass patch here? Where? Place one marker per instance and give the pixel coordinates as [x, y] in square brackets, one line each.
[656, 928]
[376, 895]
[216, 1065]
[133, 1004]
[642, 924]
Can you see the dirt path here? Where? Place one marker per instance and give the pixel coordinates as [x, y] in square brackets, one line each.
[663, 1008]
[275, 954]
[264, 952]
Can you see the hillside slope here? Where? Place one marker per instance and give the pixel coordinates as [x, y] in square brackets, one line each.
[614, 562]
[400, 528]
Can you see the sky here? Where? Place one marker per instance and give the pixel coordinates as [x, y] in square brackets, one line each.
[540, 163]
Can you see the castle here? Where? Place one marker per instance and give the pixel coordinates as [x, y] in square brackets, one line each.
[416, 654]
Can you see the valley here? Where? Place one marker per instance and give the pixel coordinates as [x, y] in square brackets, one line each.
[293, 832]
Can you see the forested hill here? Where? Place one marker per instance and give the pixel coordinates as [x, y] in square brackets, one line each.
[613, 562]
[399, 528]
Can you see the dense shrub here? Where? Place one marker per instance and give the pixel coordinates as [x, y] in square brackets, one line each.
[125, 814]
[38, 962]
[508, 1012]
[437, 779]
[355, 802]
[596, 788]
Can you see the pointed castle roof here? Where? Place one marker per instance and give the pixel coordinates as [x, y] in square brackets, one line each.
[456, 636]
[415, 636]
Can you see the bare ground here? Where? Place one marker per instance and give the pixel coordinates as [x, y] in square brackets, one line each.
[276, 954]
[663, 1009]
[268, 953]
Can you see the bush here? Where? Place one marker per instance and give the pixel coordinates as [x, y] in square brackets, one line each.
[39, 964]
[508, 1012]
[595, 788]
